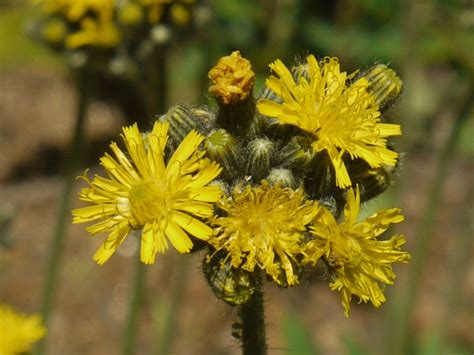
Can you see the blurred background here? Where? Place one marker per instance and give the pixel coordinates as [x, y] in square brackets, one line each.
[430, 308]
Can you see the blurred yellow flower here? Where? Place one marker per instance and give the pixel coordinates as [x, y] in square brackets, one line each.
[359, 263]
[342, 118]
[263, 226]
[18, 332]
[95, 18]
[98, 34]
[156, 7]
[74, 10]
[165, 200]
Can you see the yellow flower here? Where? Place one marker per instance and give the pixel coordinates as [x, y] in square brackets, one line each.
[165, 200]
[342, 118]
[359, 263]
[232, 79]
[74, 10]
[96, 19]
[157, 7]
[264, 227]
[18, 332]
[94, 33]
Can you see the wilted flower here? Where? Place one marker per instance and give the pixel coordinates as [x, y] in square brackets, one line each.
[359, 263]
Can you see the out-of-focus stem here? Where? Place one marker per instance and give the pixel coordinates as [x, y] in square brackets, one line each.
[169, 322]
[59, 234]
[131, 327]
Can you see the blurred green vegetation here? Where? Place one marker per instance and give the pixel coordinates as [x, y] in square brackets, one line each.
[16, 49]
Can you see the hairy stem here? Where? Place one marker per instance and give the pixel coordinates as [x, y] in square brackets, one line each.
[253, 325]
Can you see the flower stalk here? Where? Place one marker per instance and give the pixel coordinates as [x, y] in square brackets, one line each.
[59, 234]
[252, 315]
[131, 325]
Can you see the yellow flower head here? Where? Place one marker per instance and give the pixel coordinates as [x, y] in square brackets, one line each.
[74, 10]
[164, 199]
[18, 332]
[232, 79]
[95, 18]
[264, 226]
[343, 118]
[359, 263]
[94, 33]
[157, 7]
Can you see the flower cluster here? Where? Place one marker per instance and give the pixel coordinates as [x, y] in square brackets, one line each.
[110, 33]
[18, 332]
[268, 185]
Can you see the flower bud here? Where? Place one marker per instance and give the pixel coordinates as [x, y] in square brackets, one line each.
[384, 84]
[181, 122]
[203, 117]
[371, 181]
[292, 155]
[232, 285]
[282, 177]
[260, 152]
[222, 147]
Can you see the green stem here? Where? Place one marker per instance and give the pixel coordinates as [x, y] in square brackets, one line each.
[236, 118]
[425, 234]
[171, 314]
[158, 103]
[59, 235]
[130, 332]
[253, 325]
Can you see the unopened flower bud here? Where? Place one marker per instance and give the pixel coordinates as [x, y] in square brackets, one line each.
[221, 146]
[232, 285]
[371, 181]
[203, 116]
[282, 177]
[260, 152]
[292, 154]
[384, 84]
[181, 122]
